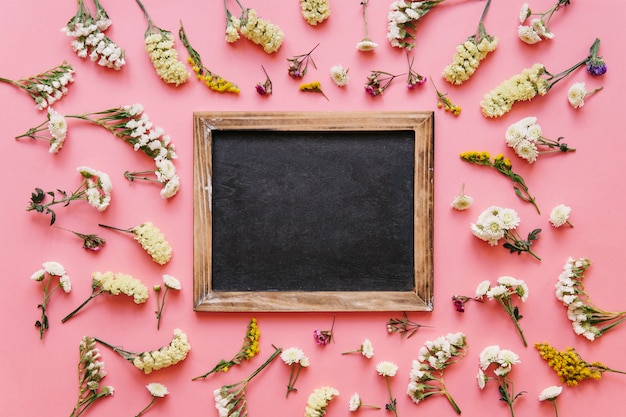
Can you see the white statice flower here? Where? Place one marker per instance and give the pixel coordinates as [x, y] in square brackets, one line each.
[468, 57]
[99, 186]
[315, 11]
[550, 393]
[339, 75]
[318, 401]
[160, 48]
[386, 368]
[261, 31]
[57, 126]
[171, 282]
[402, 20]
[560, 215]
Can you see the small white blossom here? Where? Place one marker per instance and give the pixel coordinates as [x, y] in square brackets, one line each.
[560, 215]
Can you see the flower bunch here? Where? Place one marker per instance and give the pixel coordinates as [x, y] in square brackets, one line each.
[525, 135]
[313, 87]
[91, 241]
[587, 319]
[50, 269]
[264, 88]
[413, 78]
[470, 53]
[48, 87]
[462, 201]
[90, 374]
[403, 325]
[560, 216]
[88, 29]
[402, 21]
[299, 64]
[156, 390]
[355, 403]
[154, 360]
[248, 350]
[444, 102]
[212, 80]
[550, 394]
[324, 337]
[388, 370]
[159, 44]
[426, 377]
[503, 293]
[366, 44]
[170, 282]
[95, 189]
[570, 366]
[230, 400]
[366, 349]
[503, 359]
[378, 82]
[296, 359]
[318, 401]
[252, 27]
[114, 284]
[504, 167]
[315, 11]
[339, 75]
[151, 240]
[577, 94]
[497, 223]
[538, 28]
[533, 81]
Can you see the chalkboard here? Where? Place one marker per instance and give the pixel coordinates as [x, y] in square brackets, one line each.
[313, 211]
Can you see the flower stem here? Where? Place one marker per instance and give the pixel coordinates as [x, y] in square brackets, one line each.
[142, 412]
[93, 295]
[115, 228]
[277, 352]
[452, 402]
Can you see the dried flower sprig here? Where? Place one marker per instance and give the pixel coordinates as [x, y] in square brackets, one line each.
[538, 28]
[296, 359]
[212, 80]
[577, 94]
[459, 301]
[248, 350]
[156, 390]
[154, 360]
[504, 167]
[587, 319]
[560, 216]
[313, 87]
[570, 366]
[89, 38]
[402, 21]
[91, 241]
[414, 78]
[366, 44]
[318, 401]
[355, 403]
[169, 282]
[443, 101]
[113, 284]
[426, 378]
[151, 240]
[388, 370]
[299, 64]
[497, 223]
[533, 81]
[95, 188]
[230, 400]
[525, 136]
[404, 326]
[315, 11]
[324, 337]
[462, 201]
[50, 269]
[503, 359]
[550, 394]
[90, 374]
[470, 53]
[159, 44]
[48, 87]
[379, 81]
[257, 30]
[265, 88]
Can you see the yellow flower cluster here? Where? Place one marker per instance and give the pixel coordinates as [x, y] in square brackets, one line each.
[164, 57]
[318, 401]
[520, 87]
[568, 364]
[251, 343]
[476, 157]
[153, 242]
[214, 81]
[313, 87]
[175, 352]
[261, 31]
[116, 283]
[467, 59]
[315, 11]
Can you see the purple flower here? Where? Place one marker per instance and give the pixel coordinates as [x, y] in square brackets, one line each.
[596, 66]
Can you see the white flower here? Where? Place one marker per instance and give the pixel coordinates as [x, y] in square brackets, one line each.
[339, 75]
[576, 95]
[524, 13]
[550, 393]
[527, 150]
[38, 275]
[157, 389]
[171, 282]
[54, 268]
[386, 368]
[483, 288]
[481, 378]
[528, 34]
[462, 201]
[65, 283]
[170, 188]
[367, 349]
[366, 45]
[560, 215]
[292, 355]
[488, 356]
[355, 402]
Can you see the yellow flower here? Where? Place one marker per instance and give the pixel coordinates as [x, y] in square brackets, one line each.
[313, 87]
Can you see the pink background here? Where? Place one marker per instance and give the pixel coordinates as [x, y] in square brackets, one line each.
[39, 377]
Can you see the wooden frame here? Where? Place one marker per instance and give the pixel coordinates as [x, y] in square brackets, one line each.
[419, 299]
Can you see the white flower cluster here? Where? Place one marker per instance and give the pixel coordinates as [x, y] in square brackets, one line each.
[521, 87]
[166, 356]
[153, 242]
[536, 31]
[434, 356]
[493, 223]
[522, 137]
[49, 87]
[233, 24]
[315, 11]
[164, 57]
[295, 356]
[90, 374]
[99, 187]
[318, 401]
[507, 286]
[90, 40]
[119, 283]
[57, 126]
[467, 58]
[402, 19]
[54, 269]
[504, 359]
[261, 31]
